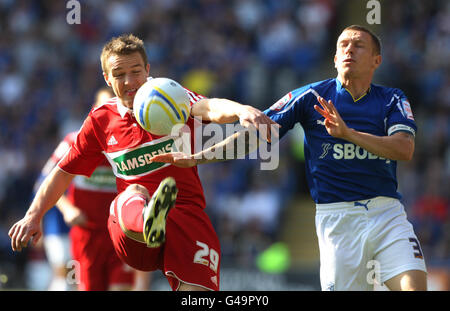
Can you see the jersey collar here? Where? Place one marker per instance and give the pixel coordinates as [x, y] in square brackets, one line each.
[339, 87]
[122, 109]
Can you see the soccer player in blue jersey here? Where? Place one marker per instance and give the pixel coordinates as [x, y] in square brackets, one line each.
[355, 131]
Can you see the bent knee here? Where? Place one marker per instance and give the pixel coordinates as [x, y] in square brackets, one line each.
[136, 188]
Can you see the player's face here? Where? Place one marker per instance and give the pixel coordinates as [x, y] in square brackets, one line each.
[126, 74]
[355, 56]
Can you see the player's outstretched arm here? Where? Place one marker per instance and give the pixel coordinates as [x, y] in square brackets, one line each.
[51, 189]
[221, 110]
[235, 146]
[399, 146]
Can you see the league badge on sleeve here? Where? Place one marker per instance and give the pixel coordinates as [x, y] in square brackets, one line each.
[282, 102]
[407, 108]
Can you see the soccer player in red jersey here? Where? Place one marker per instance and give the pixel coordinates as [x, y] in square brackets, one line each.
[185, 246]
[85, 208]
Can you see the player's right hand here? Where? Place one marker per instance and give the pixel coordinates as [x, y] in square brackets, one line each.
[334, 124]
[26, 229]
[253, 118]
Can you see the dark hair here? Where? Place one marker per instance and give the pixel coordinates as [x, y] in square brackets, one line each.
[375, 39]
[123, 45]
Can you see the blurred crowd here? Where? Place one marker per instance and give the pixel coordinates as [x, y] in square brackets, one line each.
[251, 51]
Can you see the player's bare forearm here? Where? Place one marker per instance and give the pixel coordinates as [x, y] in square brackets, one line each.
[221, 110]
[216, 110]
[399, 146]
[63, 204]
[236, 146]
[52, 188]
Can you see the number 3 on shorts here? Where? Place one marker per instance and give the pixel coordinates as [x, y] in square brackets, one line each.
[417, 250]
[200, 255]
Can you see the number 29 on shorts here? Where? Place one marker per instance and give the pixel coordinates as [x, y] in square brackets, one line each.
[207, 256]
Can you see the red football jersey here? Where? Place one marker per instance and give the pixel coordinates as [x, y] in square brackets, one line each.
[111, 130]
[92, 195]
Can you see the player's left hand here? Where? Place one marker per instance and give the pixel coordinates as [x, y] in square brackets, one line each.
[251, 118]
[334, 124]
[175, 158]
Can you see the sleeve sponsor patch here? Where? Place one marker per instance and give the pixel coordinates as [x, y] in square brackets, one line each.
[282, 102]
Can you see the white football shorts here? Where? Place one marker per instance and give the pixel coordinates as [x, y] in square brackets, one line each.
[365, 242]
[57, 249]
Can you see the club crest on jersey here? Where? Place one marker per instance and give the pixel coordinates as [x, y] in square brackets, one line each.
[282, 102]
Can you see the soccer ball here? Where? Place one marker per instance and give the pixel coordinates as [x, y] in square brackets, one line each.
[160, 104]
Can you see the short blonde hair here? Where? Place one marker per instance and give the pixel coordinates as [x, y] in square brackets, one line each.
[123, 45]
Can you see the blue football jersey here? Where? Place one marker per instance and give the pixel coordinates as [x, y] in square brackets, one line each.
[337, 170]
